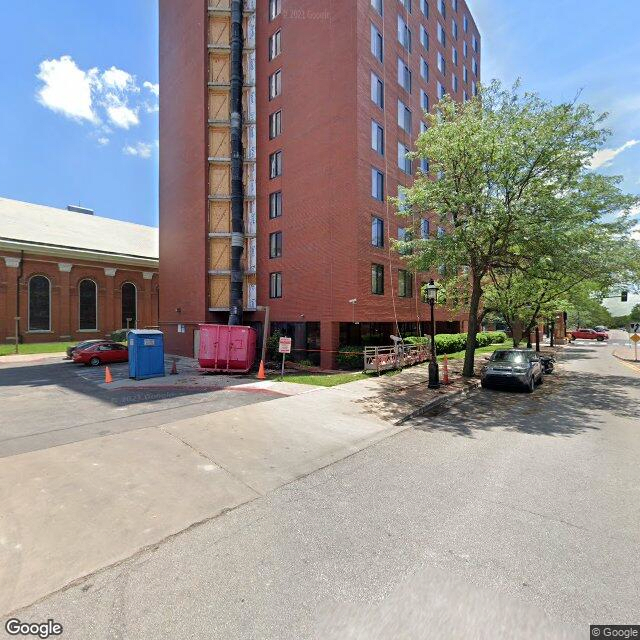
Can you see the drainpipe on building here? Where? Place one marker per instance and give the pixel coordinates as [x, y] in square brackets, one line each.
[237, 162]
[19, 274]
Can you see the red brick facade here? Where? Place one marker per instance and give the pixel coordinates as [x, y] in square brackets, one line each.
[327, 206]
[65, 275]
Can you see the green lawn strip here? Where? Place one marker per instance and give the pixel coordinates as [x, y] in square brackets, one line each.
[42, 347]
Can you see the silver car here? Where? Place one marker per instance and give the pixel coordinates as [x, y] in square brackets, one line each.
[513, 368]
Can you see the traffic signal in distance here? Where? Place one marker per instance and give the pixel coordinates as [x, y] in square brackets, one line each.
[623, 296]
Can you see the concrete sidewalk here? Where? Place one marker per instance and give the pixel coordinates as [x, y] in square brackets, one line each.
[32, 357]
[74, 509]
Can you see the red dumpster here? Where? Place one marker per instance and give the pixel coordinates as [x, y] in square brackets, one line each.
[227, 349]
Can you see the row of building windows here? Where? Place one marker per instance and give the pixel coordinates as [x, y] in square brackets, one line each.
[39, 292]
[404, 233]
[378, 5]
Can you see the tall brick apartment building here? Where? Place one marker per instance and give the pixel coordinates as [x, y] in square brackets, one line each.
[69, 275]
[333, 96]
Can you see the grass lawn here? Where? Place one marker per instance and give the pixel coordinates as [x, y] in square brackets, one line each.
[43, 347]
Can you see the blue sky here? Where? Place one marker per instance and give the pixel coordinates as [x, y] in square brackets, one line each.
[79, 120]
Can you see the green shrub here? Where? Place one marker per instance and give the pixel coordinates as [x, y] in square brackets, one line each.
[273, 344]
[497, 337]
[350, 357]
[417, 339]
[119, 336]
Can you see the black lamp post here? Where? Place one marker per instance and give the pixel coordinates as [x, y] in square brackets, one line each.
[434, 373]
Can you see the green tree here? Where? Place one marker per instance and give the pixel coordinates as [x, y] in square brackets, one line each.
[503, 170]
[634, 316]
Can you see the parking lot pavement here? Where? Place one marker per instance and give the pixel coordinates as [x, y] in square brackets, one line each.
[52, 402]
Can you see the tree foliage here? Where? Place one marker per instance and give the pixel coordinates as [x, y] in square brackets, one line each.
[510, 188]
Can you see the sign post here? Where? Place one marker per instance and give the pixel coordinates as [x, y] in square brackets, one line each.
[635, 338]
[284, 347]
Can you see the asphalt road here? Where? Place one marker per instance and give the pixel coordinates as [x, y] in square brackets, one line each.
[52, 402]
[512, 516]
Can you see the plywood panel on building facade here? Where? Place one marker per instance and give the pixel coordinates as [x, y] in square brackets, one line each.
[224, 5]
[220, 217]
[219, 30]
[219, 104]
[219, 292]
[219, 142]
[219, 64]
[219, 254]
[219, 180]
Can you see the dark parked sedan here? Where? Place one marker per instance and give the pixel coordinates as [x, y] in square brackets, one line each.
[80, 345]
[513, 368]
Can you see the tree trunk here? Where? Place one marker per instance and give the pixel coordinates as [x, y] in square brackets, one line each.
[474, 306]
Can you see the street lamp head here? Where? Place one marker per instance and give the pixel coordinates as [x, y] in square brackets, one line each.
[432, 291]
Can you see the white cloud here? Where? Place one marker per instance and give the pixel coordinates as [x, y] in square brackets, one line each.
[154, 88]
[123, 116]
[103, 141]
[140, 149]
[67, 89]
[115, 78]
[604, 157]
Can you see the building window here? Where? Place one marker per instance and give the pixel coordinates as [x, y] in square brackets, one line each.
[465, 96]
[454, 82]
[275, 7]
[424, 100]
[275, 124]
[465, 74]
[377, 232]
[424, 7]
[424, 229]
[475, 44]
[404, 163]
[442, 8]
[275, 164]
[274, 45]
[465, 49]
[129, 296]
[404, 117]
[405, 283]
[403, 206]
[424, 165]
[474, 88]
[465, 23]
[424, 69]
[423, 127]
[404, 34]
[454, 4]
[377, 90]
[442, 64]
[88, 305]
[275, 204]
[454, 55]
[424, 38]
[454, 29]
[474, 67]
[442, 35]
[441, 90]
[377, 184]
[275, 285]
[275, 244]
[405, 235]
[275, 84]
[377, 279]
[406, 4]
[377, 5]
[377, 137]
[404, 75]
[377, 43]
[39, 304]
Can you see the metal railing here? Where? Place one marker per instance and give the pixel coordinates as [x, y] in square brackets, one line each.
[396, 357]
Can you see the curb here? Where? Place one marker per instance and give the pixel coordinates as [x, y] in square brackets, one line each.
[615, 355]
[445, 401]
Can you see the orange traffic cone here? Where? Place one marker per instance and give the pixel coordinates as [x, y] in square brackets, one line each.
[107, 375]
[261, 375]
[446, 371]
[174, 369]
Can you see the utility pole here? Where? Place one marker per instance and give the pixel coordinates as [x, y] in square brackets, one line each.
[236, 303]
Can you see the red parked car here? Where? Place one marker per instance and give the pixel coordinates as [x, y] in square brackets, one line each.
[101, 353]
[590, 334]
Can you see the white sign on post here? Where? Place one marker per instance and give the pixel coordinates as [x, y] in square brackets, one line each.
[284, 347]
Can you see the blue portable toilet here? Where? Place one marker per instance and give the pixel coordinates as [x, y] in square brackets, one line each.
[146, 353]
